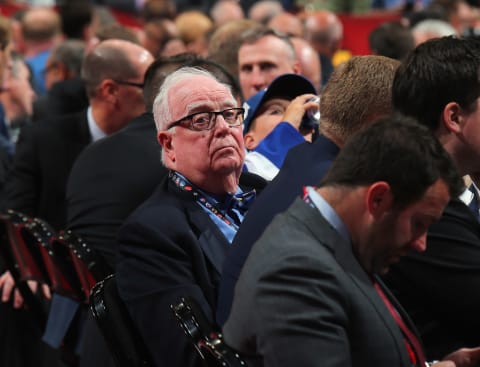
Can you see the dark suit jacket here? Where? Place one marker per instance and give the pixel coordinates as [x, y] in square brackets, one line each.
[439, 287]
[64, 98]
[305, 164]
[303, 299]
[110, 179]
[44, 156]
[168, 248]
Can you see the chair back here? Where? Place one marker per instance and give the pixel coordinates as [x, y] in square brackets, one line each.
[41, 237]
[205, 336]
[22, 257]
[116, 325]
[82, 264]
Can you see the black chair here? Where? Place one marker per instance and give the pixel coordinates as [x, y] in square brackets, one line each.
[205, 336]
[83, 266]
[21, 253]
[35, 251]
[112, 317]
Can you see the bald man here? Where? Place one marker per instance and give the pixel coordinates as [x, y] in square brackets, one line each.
[113, 72]
[226, 11]
[287, 23]
[309, 61]
[41, 30]
[324, 31]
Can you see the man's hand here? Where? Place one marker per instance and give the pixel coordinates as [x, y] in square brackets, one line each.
[465, 357]
[7, 286]
[297, 108]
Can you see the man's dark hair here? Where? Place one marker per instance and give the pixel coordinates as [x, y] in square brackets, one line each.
[391, 39]
[219, 72]
[76, 16]
[116, 31]
[435, 73]
[156, 74]
[162, 67]
[399, 151]
[225, 42]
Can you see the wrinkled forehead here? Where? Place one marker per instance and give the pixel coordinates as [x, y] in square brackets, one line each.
[197, 94]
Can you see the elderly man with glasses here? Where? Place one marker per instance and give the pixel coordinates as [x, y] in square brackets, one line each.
[174, 244]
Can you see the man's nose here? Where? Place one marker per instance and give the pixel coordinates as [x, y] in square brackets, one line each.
[220, 123]
[420, 243]
[258, 79]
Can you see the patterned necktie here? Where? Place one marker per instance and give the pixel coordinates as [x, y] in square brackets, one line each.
[237, 205]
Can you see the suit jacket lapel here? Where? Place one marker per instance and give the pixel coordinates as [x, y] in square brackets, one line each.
[326, 234]
[212, 241]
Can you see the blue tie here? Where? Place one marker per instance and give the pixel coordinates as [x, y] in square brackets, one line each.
[474, 207]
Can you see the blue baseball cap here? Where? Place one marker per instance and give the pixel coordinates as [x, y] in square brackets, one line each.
[288, 86]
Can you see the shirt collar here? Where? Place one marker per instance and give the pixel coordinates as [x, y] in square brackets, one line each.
[328, 213]
[95, 131]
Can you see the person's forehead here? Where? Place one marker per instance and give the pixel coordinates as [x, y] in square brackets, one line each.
[198, 90]
[276, 100]
[200, 83]
[266, 45]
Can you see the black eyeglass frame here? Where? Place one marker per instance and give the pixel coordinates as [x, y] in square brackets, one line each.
[132, 84]
[212, 121]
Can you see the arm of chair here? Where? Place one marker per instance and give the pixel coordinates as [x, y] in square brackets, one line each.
[116, 326]
[22, 264]
[83, 267]
[204, 335]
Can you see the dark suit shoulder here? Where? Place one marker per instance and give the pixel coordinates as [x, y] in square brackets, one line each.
[163, 208]
[73, 126]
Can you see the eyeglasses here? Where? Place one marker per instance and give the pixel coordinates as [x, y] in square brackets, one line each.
[132, 84]
[206, 120]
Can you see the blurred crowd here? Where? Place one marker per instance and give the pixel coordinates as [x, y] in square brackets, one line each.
[96, 118]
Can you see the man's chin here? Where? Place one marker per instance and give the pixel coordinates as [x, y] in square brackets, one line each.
[227, 166]
[386, 267]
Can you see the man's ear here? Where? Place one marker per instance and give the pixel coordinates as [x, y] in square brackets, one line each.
[379, 198]
[452, 117]
[108, 90]
[164, 138]
[297, 69]
[250, 142]
[66, 74]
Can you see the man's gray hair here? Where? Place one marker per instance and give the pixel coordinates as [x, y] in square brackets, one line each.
[161, 108]
[71, 54]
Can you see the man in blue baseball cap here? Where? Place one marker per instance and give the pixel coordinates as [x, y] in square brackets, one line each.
[276, 119]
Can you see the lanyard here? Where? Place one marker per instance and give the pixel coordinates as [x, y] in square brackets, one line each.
[209, 204]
